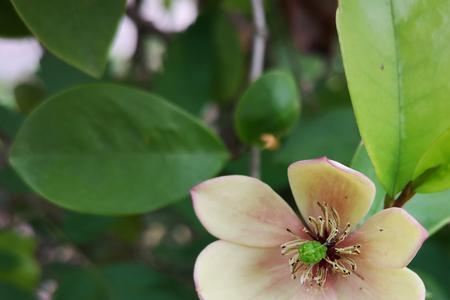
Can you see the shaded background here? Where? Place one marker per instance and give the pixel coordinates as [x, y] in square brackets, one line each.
[195, 54]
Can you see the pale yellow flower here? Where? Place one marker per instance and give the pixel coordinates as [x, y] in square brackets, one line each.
[265, 252]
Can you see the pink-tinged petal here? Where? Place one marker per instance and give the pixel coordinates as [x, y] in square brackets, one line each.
[225, 271]
[322, 180]
[389, 239]
[244, 210]
[376, 283]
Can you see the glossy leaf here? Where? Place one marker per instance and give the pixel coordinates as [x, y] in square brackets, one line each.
[433, 171]
[271, 105]
[11, 25]
[116, 150]
[397, 64]
[431, 210]
[333, 134]
[79, 32]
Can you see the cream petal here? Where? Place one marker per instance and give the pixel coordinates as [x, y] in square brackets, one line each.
[389, 239]
[225, 271]
[244, 210]
[322, 180]
[376, 283]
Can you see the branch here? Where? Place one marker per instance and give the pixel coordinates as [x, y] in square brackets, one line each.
[256, 69]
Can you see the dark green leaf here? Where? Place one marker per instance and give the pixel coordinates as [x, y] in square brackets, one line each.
[9, 292]
[79, 32]
[115, 150]
[187, 78]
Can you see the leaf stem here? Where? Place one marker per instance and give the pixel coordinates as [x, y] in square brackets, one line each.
[256, 69]
[405, 196]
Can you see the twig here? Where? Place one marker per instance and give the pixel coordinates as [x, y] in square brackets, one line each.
[405, 196]
[256, 69]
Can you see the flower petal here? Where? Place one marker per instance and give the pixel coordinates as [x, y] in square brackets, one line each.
[322, 180]
[389, 239]
[375, 284]
[225, 271]
[244, 210]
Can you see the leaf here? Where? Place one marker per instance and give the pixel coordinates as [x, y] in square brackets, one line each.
[121, 281]
[361, 162]
[271, 105]
[431, 210]
[333, 134]
[57, 75]
[115, 150]
[433, 171]
[187, 78]
[79, 32]
[229, 60]
[11, 25]
[399, 91]
[10, 292]
[17, 264]
[202, 64]
[10, 122]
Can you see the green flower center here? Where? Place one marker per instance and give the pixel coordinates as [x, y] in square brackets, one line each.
[312, 252]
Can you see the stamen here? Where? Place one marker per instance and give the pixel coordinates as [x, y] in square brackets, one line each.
[314, 225]
[344, 234]
[350, 250]
[307, 275]
[324, 207]
[332, 235]
[336, 217]
[350, 262]
[309, 258]
[321, 227]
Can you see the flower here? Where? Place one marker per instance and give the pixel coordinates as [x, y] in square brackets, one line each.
[266, 252]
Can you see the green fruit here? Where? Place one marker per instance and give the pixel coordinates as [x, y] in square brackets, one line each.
[271, 105]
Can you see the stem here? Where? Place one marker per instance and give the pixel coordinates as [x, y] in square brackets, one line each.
[405, 196]
[256, 69]
[255, 162]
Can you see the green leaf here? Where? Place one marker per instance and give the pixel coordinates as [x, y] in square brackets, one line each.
[399, 90]
[11, 25]
[114, 150]
[361, 162]
[271, 105]
[122, 281]
[79, 32]
[10, 292]
[229, 60]
[10, 122]
[433, 171]
[431, 210]
[17, 264]
[57, 75]
[187, 78]
[333, 134]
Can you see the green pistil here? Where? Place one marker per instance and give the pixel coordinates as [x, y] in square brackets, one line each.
[312, 252]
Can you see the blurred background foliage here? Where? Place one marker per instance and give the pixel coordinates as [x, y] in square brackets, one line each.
[195, 54]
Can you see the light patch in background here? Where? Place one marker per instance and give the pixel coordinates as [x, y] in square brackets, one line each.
[123, 47]
[175, 17]
[19, 60]
[125, 42]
